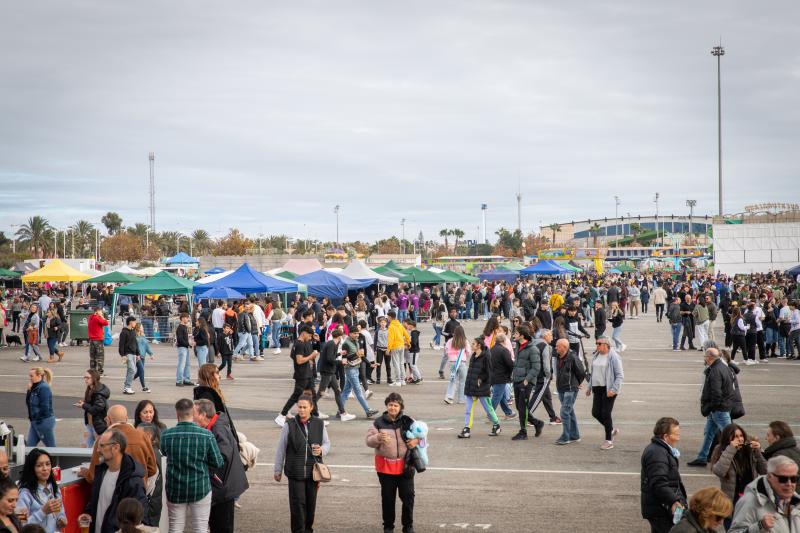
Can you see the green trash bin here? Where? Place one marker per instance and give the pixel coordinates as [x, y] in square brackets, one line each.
[79, 324]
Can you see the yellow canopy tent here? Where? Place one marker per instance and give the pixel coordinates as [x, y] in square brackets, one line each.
[55, 270]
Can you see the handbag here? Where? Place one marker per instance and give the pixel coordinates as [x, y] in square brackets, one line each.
[454, 370]
[33, 336]
[413, 463]
[320, 472]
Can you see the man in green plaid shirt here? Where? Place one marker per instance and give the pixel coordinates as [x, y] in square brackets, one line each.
[191, 451]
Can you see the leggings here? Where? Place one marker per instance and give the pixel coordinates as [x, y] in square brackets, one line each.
[644, 305]
[227, 360]
[486, 403]
[750, 340]
[738, 344]
[521, 395]
[383, 361]
[602, 406]
[659, 312]
[15, 321]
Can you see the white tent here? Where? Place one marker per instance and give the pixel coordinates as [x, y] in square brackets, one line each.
[126, 269]
[359, 271]
[147, 272]
[214, 277]
[302, 266]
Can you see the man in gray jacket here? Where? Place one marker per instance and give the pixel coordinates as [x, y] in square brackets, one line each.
[770, 503]
[526, 369]
[229, 481]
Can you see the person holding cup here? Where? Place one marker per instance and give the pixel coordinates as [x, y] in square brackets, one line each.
[39, 492]
[9, 523]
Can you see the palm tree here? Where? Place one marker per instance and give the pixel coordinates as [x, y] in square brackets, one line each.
[140, 230]
[112, 221]
[457, 233]
[554, 228]
[36, 234]
[201, 241]
[84, 234]
[594, 231]
[636, 229]
[168, 241]
[444, 233]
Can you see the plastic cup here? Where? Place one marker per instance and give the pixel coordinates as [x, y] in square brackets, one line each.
[84, 523]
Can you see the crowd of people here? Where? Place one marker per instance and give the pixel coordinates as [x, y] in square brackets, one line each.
[533, 337]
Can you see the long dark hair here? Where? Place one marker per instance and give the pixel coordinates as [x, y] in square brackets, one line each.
[459, 340]
[491, 326]
[90, 389]
[741, 460]
[137, 417]
[28, 479]
[129, 515]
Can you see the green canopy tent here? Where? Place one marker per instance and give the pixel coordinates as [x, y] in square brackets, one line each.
[457, 277]
[286, 275]
[388, 272]
[625, 268]
[161, 283]
[569, 266]
[391, 265]
[9, 274]
[114, 277]
[513, 265]
[418, 275]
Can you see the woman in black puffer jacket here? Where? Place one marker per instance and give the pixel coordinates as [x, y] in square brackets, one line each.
[94, 405]
[478, 389]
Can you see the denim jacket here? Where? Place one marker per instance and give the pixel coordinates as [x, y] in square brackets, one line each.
[34, 504]
[40, 401]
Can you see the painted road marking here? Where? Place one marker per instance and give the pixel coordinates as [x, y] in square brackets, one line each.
[511, 470]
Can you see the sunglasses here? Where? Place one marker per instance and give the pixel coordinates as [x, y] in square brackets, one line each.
[785, 479]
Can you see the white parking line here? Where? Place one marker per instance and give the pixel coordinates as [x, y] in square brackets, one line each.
[511, 470]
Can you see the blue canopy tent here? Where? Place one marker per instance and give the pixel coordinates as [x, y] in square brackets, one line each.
[215, 270]
[499, 275]
[794, 271]
[248, 281]
[221, 293]
[545, 268]
[181, 258]
[329, 284]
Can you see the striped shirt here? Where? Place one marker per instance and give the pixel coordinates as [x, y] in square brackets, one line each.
[191, 451]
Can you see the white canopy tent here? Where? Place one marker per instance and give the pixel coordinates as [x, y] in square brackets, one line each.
[214, 277]
[358, 270]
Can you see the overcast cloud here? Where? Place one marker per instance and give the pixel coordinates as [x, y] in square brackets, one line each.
[264, 115]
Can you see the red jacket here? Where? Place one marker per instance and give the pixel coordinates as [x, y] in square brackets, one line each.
[96, 325]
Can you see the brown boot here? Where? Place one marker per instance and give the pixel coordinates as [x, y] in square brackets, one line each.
[52, 360]
[60, 356]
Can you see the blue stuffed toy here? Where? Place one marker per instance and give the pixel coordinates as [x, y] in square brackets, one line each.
[419, 430]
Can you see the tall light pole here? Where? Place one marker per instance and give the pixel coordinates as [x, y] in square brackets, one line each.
[519, 206]
[403, 235]
[656, 201]
[55, 243]
[483, 210]
[336, 209]
[14, 238]
[617, 202]
[690, 204]
[718, 52]
[152, 159]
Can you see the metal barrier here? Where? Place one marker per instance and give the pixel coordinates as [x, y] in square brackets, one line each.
[158, 328]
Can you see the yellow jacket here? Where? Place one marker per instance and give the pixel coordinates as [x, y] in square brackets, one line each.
[398, 336]
[556, 301]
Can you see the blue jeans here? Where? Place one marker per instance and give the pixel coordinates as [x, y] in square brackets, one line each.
[500, 397]
[202, 355]
[716, 421]
[91, 436]
[615, 336]
[245, 344]
[455, 388]
[569, 422]
[33, 347]
[140, 371]
[771, 335]
[468, 313]
[147, 326]
[676, 335]
[402, 314]
[130, 369]
[352, 382]
[782, 345]
[42, 430]
[183, 374]
[437, 335]
[276, 333]
[52, 345]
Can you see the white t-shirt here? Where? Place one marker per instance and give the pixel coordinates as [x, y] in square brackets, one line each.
[105, 496]
[599, 366]
[218, 318]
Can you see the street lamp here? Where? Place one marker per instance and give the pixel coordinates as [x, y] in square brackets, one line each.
[14, 239]
[403, 235]
[617, 202]
[718, 52]
[690, 204]
[483, 210]
[336, 210]
[656, 201]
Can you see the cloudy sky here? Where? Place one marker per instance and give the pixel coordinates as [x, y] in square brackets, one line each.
[263, 115]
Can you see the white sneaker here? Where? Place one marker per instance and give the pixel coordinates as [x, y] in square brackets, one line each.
[128, 390]
[280, 420]
[624, 347]
[749, 362]
[347, 416]
[352, 395]
[368, 394]
[324, 416]
[23, 358]
[276, 351]
[36, 359]
[326, 423]
[260, 357]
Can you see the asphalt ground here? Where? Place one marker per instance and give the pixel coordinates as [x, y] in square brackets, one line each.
[483, 483]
